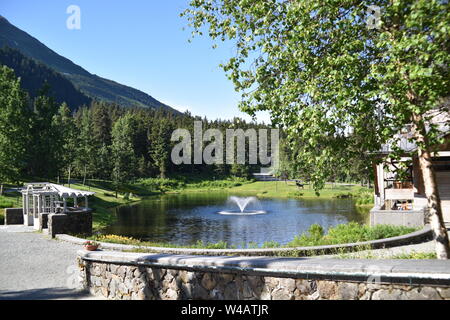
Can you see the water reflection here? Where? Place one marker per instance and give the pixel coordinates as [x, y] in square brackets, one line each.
[187, 218]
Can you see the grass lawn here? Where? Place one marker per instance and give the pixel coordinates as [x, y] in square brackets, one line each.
[281, 189]
[105, 199]
[9, 200]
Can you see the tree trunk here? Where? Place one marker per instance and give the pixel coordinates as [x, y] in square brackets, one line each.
[68, 179]
[84, 177]
[431, 191]
[162, 171]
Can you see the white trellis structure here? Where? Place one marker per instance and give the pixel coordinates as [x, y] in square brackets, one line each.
[48, 198]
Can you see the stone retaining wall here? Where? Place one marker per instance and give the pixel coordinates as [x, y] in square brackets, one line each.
[168, 277]
[13, 216]
[76, 222]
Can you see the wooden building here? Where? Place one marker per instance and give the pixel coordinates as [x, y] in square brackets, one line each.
[399, 187]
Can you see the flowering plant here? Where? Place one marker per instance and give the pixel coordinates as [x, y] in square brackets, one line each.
[91, 243]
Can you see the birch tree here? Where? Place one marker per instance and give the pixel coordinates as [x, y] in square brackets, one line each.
[326, 68]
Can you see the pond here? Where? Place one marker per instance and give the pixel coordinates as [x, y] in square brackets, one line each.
[184, 219]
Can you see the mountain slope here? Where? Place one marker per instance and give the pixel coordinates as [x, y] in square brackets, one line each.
[34, 75]
[91, 85]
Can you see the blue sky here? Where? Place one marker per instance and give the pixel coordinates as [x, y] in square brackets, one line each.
[140, 43]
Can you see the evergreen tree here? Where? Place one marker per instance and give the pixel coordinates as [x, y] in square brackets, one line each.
[67, 140]
[101, 132]
[86, 151]
[160, 146]
[44, 150]
[123, 157]
[14, 126]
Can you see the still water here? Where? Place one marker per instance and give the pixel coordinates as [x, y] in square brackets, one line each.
[186, 218]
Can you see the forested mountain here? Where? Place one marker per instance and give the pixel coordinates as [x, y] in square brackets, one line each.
[40, 138]
[89, 84]
[34, 76]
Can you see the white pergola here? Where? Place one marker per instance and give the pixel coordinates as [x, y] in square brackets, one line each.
[44, 197]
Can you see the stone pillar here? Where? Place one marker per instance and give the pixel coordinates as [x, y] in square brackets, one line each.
[43, 221]
[14, 216]
[57, 224]
[65, 205]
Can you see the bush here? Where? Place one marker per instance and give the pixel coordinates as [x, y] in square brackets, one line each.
[347, 233]
[6, 203]
[364, 197]
[219, 245]
[387, 231]
[158, 184]
[218, 184]
[271, 244]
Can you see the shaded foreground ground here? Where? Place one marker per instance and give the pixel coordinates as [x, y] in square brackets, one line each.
[35, 267]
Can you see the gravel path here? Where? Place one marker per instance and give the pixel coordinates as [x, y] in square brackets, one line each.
[34, 266]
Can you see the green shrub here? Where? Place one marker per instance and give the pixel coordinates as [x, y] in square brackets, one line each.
[344, 195]
[218, 184]
[347, 233]
[158, 184]
[271, 244]
[387, 231]
[252, 245]
[219, 245]
[6, 203]
[364, 197]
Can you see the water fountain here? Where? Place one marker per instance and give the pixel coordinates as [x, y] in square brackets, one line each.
[242, 203]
